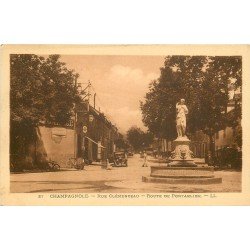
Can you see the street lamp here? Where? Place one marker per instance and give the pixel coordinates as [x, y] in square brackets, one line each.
[81, 91]
[91, 118]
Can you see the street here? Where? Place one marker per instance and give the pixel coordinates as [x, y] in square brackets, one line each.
[95, 179]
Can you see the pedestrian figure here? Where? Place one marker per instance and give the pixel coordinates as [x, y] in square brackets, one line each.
[209, 159]
[145, 163]
[126, 158]
[109, 167]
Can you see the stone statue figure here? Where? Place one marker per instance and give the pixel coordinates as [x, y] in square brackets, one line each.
[181, 112]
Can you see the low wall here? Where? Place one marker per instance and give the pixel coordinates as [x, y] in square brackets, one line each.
[56, 144]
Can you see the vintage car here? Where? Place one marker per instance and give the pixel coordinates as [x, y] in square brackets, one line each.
[120, 159]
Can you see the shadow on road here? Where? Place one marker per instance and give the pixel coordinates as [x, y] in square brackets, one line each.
[94, 186]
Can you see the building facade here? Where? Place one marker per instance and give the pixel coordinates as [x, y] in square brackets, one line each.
[89, 136]
[95, 135]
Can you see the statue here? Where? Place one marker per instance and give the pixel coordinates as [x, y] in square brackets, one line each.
[182, 168]
[181, 112]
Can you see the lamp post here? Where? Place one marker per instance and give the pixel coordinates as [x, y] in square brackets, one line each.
[79, 87]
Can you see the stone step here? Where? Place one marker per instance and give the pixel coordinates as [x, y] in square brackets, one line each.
[191, 181]
[181, 171]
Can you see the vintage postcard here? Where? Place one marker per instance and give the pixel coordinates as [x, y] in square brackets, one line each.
[125, 125]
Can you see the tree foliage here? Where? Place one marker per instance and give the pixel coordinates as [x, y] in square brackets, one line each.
[139, 139]
[121, 144]
[41, 91]
[203, 82]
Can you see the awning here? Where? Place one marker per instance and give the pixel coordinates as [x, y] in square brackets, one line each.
[94, 142]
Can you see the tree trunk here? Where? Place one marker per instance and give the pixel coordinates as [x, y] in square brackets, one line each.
[212, 146]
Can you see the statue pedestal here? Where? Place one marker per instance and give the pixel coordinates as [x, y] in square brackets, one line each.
[182, 169]
[182, 156]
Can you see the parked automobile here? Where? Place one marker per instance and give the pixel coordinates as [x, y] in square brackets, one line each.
[120, 159]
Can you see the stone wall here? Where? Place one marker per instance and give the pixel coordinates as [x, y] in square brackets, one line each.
[54, 143]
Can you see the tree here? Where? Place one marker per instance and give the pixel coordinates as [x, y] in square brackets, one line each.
[121, 143]
[147, 139]
[139, 139]
[176, 81]
[203, 82]
[41, 91]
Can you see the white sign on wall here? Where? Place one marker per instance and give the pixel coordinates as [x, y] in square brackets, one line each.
[84, 129]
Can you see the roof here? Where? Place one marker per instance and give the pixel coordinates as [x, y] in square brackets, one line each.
[96, 113]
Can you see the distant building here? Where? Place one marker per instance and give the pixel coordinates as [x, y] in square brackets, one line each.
[95, 135]
[226, 138]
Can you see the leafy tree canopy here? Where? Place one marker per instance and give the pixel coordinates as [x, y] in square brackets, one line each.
[41, 90]
[139, 139]
[203, 82]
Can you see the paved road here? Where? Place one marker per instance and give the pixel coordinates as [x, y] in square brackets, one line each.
[118, 180]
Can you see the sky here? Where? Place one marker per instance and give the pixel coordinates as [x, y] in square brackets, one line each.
[120, 83]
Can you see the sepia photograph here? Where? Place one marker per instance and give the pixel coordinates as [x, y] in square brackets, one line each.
[125, 124]
[167, 123]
